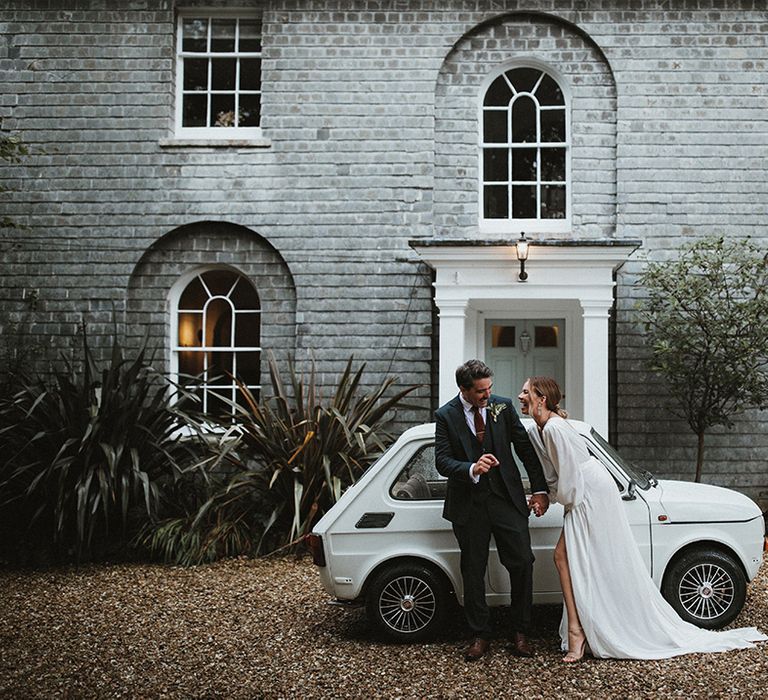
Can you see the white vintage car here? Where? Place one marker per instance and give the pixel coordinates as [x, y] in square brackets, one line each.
[385, 543]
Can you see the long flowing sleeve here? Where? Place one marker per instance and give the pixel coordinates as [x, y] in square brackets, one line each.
[546, 464]
[566, 456]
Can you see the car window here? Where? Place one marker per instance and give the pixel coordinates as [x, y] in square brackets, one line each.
[419, 480]
[638, 476]
[594, 453]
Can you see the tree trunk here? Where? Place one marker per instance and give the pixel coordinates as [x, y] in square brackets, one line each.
[699, 456]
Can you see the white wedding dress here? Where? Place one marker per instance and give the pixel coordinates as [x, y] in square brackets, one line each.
[623, 614]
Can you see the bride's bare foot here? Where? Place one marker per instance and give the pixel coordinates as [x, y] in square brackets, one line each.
[577, 643]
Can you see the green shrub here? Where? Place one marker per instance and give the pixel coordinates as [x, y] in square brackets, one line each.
[288, 460]
[89, 451]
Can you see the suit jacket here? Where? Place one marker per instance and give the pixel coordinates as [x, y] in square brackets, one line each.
[456, 448]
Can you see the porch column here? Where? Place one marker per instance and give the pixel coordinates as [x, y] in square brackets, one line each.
[453, 335]
[595, 315]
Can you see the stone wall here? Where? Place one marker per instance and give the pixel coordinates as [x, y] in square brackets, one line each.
[370, 138]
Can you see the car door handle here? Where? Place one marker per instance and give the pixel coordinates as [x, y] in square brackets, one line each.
[370, 520]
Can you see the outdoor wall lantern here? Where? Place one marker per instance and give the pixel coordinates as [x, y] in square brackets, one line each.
[521, 248]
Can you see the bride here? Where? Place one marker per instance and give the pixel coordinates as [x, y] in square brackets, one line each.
[611, 603]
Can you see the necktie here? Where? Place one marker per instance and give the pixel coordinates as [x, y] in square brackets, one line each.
[479, 425]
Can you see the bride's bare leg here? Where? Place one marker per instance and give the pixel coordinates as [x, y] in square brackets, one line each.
[576, 638]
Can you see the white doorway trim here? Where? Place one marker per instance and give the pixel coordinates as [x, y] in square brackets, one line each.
[566, 279]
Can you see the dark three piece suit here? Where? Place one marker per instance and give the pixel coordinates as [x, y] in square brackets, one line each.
[496, 505]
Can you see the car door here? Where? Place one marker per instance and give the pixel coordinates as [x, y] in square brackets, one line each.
[545, 531]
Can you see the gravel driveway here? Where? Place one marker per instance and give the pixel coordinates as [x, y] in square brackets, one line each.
[262, 629]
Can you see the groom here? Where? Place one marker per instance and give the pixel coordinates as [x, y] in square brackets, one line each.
[485, 496]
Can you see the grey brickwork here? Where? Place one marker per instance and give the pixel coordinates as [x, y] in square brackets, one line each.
[370, 128]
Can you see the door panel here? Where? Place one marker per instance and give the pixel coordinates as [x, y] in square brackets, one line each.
[520, 348]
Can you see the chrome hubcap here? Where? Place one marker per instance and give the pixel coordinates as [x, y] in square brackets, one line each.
[407, 604]
[706, 591]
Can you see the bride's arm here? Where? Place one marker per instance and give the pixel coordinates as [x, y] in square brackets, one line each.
[550, 474]
[560, 447]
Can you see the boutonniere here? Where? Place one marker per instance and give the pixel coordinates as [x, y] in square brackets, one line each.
[495, 409]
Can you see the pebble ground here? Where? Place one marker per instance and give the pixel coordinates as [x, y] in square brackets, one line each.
[263, 629]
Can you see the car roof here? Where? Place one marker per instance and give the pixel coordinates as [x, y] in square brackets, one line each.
[427, 430]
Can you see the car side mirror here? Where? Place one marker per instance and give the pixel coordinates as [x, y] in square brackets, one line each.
[630, 494]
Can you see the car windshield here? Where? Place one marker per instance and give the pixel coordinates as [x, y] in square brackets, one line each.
[641, 477]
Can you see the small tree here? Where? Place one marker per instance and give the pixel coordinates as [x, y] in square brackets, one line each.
[705, 317]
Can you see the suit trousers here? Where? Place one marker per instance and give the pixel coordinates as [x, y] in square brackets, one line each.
[494, 514]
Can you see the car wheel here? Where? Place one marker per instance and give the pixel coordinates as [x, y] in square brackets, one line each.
[407, 601]
[706, 587]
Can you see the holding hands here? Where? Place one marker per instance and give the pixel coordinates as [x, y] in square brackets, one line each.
[538, 504]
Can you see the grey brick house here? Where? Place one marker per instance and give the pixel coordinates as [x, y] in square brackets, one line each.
[332, 178]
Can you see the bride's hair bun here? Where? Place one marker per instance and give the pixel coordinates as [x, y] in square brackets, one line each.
[548, 387]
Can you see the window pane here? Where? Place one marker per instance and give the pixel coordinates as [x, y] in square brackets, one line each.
[495, 164]
[247, 330]
[190, 363]
[223, 110]
[250, 110]
[553, 125]
[495, 127]
[524, 120]
[248, 367]
[195, 73]
[250, 74]
[243, 295]
[193, 403]
[194, 34]
[219, 282]
[194, 296]
[498, 94]
[523, 79]
[222, 35]
[218, 323]
[223, 73]
[553, 164]
[545, 336]
[552, 202]
[549, 93]
[219, 364]
[523, 202]
[503, 336]
[240, 398]
[250, 35]
[524, 164]
[190, 329]
[217, 403]
[495, 204]
[194, 110]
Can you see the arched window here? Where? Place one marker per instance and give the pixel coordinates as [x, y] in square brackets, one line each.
[217, 338]
[524, 150]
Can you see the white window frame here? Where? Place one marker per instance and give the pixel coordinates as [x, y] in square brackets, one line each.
[538, 225]
[175, 348]
[213, 133]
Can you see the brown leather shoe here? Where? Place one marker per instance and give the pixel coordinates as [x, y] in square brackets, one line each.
[477, 649]
[520, 646]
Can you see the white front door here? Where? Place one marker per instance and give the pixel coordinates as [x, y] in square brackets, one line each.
[516, 349]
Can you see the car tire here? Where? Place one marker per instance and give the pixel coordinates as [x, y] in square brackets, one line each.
[407, 601]
[706, 587]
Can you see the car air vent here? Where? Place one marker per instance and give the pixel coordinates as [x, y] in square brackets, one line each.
[374, 520]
